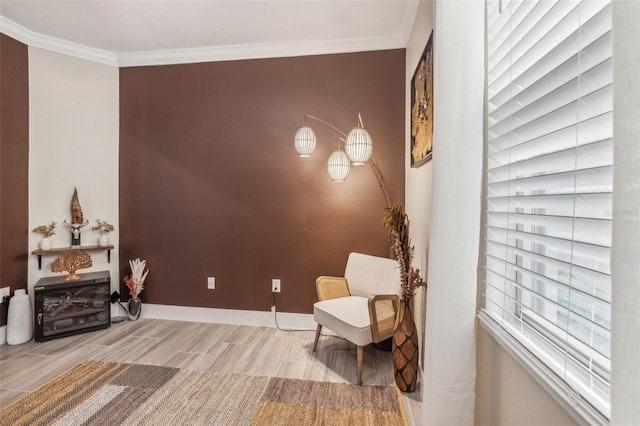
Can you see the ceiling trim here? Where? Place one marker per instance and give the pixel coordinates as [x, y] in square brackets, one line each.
[257, 51]
[42, 41]
[408, 20]
[206, 54]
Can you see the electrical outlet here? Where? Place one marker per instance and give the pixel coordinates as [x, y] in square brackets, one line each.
[275, 285]
[211, 283]
[5, 291]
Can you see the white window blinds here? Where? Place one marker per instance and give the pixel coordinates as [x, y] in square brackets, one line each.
[549, 181]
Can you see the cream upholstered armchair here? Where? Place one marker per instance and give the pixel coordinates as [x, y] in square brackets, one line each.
[362, 305]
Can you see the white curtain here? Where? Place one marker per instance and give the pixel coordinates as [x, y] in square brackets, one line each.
[625, 248]
[449, 369]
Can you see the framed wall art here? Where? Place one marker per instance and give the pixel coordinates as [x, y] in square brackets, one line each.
[422, 108]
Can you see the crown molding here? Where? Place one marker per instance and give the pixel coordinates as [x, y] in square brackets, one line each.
[257, 51]
[408, 20]
[31, 38]
[205, 54]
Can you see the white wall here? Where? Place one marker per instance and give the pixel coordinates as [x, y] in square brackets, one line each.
[418, 180]
[506, 394]
[73, 142]
[625, 247]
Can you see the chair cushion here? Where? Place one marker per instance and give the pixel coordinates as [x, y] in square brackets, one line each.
[348, 317]
[368, 275]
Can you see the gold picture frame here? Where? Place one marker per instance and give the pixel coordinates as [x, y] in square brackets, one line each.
[422, 108]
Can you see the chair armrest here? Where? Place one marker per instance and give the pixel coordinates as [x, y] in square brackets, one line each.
[331, 287]
[383, 309]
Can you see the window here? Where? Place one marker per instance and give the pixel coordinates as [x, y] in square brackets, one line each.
[547, 285]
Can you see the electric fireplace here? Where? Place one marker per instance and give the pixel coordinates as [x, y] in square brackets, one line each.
[65, 308]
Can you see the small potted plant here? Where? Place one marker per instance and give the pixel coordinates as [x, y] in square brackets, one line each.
[46, 231]
[103, 227]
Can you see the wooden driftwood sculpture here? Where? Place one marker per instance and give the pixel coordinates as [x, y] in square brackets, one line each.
[70, 262]
[76, 211]
[77, 220]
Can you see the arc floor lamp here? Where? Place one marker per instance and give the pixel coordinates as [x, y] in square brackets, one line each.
[358, 150]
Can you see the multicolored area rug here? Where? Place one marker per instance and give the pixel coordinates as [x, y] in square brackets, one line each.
[105, 393]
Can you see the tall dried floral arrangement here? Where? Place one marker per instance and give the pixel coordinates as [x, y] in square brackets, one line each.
[397, 223]
[135, 281]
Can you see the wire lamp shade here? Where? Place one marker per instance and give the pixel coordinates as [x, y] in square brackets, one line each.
[358, 146]
[305, 141]
[338, 166]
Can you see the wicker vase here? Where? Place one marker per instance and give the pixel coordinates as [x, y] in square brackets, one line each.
[405, 349]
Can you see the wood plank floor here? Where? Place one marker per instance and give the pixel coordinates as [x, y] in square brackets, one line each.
[262, 351]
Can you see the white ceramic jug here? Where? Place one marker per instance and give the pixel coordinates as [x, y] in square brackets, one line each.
[19, 318]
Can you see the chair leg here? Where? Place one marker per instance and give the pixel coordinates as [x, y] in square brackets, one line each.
[315, 342]
[360, 350]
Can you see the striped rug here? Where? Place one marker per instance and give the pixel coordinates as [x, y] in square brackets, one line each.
[106, 393]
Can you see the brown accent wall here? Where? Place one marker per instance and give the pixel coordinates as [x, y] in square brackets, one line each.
[211, 185]
[14, 163]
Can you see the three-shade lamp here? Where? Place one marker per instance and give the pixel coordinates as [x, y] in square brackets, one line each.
[357, 148]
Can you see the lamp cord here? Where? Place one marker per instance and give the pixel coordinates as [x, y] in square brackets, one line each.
[275, 317]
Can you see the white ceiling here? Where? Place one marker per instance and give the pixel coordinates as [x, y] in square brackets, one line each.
[136, 32]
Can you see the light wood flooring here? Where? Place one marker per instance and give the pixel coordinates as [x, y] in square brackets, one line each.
[262, 351]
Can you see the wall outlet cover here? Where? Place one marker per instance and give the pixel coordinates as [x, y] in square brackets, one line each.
[5, 291]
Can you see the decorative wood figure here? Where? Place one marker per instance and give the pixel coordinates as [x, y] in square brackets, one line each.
[70, 262]
[77, 220]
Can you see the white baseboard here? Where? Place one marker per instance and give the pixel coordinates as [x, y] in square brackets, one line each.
[213, 315]
[228, 316]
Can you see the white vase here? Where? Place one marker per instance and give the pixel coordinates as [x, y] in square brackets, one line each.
[103, 241]
[19, 318]
[45, 244]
